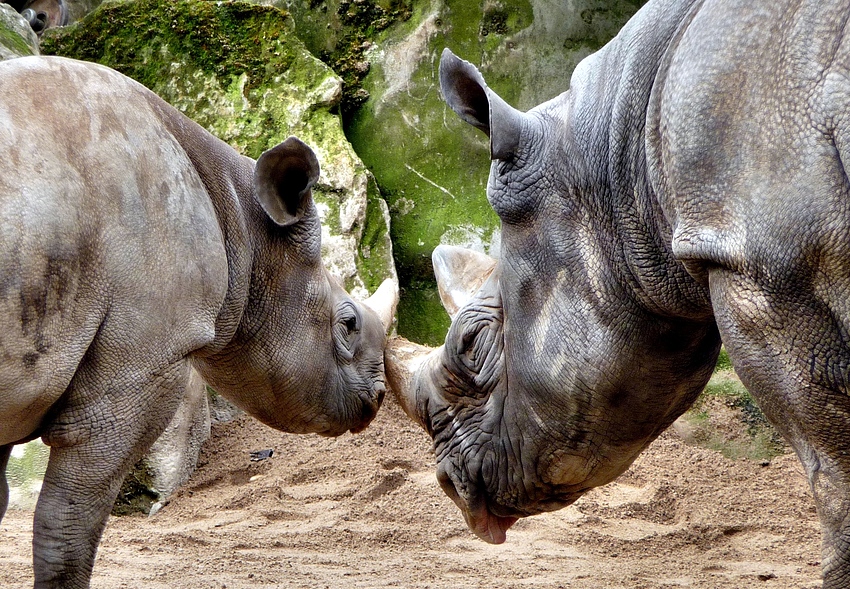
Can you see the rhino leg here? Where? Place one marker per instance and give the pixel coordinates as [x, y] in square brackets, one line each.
[5, 452]
[793, 357]
[110, 419]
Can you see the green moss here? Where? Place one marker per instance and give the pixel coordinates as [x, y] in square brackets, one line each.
[137, 494]
[223, 39]
[723, 362]
[752, 437]
[14, 42]
[421, 316]
[498, 21]
[340, 32]
[235, 68]
[375, 247]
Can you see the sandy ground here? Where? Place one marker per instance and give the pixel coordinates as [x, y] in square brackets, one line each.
[365, 511]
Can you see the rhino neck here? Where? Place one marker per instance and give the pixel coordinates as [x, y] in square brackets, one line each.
[611, 94]
[228, 179]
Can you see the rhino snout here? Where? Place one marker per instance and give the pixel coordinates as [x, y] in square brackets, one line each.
[479, 517]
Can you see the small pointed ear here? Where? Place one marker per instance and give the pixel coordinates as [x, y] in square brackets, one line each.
[465, 91]
[460, 273]
[283, 178]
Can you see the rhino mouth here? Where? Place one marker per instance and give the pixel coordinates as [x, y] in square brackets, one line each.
[480, 519]
[370, 409]
[490, 521]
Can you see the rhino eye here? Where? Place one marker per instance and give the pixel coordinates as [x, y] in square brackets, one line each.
[346, 330]
[351, 324]
[503, 166]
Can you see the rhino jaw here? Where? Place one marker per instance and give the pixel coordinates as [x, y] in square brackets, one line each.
[407, 362]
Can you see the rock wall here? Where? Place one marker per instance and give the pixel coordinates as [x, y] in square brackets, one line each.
[240, 71]
[431, 168]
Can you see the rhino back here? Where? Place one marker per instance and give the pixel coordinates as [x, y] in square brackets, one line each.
[107, 233]
[755, 109]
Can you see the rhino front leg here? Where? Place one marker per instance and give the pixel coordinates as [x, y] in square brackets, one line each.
[107, 424]
[789, 346]
[5, 452]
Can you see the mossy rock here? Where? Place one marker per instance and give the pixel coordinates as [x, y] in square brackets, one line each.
[727, 419]
[432, 168]
[17, 38]
[240, 71]
[340, 33]
[77, 9]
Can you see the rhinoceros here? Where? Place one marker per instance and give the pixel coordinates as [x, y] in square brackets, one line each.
[689, 188]
[137, 247]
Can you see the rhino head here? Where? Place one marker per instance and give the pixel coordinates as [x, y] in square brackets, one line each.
[304, 357]
[565, 357]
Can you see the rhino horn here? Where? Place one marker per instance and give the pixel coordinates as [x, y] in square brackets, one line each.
[384, 302]
[402, 362]
[466, 92]
[460, 273]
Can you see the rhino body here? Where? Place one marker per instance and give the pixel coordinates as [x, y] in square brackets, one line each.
[136, 247]
[689, 188]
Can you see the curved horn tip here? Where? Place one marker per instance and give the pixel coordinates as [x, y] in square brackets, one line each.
[384, 302]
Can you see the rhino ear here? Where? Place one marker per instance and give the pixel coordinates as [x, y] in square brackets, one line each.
[283, 178]
[466, 92]
[460, 273]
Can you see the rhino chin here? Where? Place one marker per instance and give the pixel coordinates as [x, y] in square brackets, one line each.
[480, 520]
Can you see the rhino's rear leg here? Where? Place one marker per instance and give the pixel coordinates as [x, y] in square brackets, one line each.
[789, 345]
[107, 423]
[5, 452]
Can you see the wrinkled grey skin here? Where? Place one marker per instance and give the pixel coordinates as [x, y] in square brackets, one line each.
[135, 247]
[690, 186]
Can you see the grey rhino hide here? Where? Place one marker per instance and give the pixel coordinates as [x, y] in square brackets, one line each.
[137, 247]
[689, 186]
